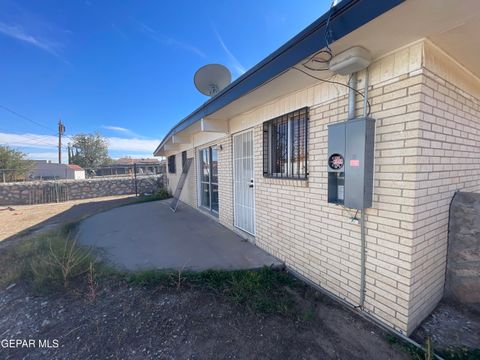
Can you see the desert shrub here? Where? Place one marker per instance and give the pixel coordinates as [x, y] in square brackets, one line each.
[51, 260]
[264, 290]
[149, 278]
[161, 194]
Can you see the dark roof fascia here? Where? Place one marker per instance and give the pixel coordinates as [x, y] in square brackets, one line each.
[346, 17]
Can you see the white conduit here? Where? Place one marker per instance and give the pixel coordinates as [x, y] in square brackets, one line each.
[362, 214]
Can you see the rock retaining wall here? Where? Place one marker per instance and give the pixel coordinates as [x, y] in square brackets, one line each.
[40, 192]
[463, 267]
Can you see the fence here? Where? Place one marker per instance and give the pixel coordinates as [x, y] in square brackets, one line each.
[41, 192]
[115, 170]
[12, 175]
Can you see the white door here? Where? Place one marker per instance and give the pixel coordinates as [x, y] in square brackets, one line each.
[243, 182]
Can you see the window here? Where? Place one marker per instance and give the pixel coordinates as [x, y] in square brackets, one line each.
[171, 165]
[184, 159]
[208, 163]
[285, 146]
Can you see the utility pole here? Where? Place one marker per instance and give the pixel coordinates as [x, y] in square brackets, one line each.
[61, 131]
[69, 154]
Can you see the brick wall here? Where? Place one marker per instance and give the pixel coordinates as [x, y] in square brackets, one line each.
[449, 161]
[293, 219]
[225, 182]
[320, 241]
[427, 123]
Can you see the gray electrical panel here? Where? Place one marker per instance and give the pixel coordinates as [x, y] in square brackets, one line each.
[350, 163]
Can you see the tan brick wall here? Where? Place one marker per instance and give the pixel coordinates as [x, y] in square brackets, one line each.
[319, 240]
[225, 181]
[425, 127]
[449, 161]
[293, 219]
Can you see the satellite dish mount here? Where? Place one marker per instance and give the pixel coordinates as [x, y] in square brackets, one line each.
[211, 79]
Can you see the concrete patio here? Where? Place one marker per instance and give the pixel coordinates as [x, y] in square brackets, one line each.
[150, 235]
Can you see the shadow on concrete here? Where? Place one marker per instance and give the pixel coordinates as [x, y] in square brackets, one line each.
[74, 214]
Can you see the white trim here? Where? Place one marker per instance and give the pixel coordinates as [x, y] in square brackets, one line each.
[214, 125]
[199, 183]
[202, 207]
[451, 58]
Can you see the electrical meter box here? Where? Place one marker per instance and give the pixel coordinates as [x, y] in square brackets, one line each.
[350, 163]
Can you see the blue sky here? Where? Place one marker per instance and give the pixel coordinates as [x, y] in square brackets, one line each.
[125, 68]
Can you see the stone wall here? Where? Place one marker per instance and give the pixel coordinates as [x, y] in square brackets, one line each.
[463, 267]
[35, 192]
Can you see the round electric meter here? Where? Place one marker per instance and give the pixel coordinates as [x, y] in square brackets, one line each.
[335, 161]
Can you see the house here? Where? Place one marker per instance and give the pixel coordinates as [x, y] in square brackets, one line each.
[46, 170]
[125, 165]
[262, 151]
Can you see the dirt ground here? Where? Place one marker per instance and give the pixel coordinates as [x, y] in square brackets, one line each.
[131, 322]
[191, 323]
[17, 218]
[451, 325]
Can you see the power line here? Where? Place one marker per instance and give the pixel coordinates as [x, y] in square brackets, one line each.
[40, 140]
[337, 83]
[24, 117]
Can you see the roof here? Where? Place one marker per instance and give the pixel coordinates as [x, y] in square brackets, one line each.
[75, 167]
[343, 18]
[131, 161]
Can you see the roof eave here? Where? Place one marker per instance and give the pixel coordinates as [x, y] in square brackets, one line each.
[345, 17]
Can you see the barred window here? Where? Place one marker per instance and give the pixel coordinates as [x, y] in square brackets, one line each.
[171, 165]
[285, 146]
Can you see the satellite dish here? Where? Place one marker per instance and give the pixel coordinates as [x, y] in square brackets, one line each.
[212, 78]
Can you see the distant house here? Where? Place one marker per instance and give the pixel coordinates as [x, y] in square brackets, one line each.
[125, 166]
[46, 170]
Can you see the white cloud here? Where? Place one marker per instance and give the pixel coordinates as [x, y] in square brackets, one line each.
[140, 145]
[116, 128]
[233, 60]
[50, 155]
[19, 33]
[168, 40]
[28, 140]
[121, 130]
[117, 144]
